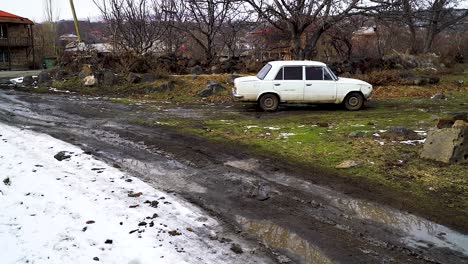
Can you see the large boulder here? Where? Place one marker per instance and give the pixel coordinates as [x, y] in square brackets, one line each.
[148, 77]
[133, 78]
[60, 75]
[89, 80]
[449, 119]
[108, 78]
[231, 78]
[448, 145]
[28, 80]
[43, 77]
[211, 88]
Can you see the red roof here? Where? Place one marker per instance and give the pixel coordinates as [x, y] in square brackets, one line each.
[9, 17]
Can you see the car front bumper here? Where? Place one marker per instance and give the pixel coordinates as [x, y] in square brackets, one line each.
[237, 96]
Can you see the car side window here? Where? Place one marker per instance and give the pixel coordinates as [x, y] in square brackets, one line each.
[279, 76]
[314, 73]
[326, 75]
[292, 73]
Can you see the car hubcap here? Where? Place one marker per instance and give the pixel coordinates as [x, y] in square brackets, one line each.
[269, 102]
[353, 101]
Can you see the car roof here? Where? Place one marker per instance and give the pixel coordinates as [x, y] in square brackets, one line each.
[297, 62]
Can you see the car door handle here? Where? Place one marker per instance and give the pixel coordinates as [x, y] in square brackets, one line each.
[277, 84]
[308, 84]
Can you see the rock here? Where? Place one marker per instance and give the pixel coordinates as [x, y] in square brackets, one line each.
[357, 134]
[109, 78]
[400, 133]
[62, 155]
[196, 70]
[133, 78]
[96, 259]
[90, 222]
[108, 241]
[433, 80]
[7, 181]
[236, 248]
[323, 124]
[231, 78]
[460, 123]
[263, 192]
[148, 78]
[216, 70]
[85, 71]
[448, 145]
[211, 88]
[419, 81]
[212, 235]
[449, 119]
[439, 96]
[60, 75]
[43, 77]
[134, 195]
[174, 233]
[154, 204]
[459, 83]
[142, 223]
[89, 80]
[28, 80]
[348, 164]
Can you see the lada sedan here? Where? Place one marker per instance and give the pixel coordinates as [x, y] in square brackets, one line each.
[300, 82]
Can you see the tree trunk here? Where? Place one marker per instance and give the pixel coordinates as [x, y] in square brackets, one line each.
[296, 48]
[311, 43]
[429, 39]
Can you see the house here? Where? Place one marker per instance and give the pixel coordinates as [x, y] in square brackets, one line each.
[16, 42]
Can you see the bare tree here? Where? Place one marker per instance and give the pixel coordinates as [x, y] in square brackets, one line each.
[136, 25]
[202, 21]
[303, 18]
[234, 30]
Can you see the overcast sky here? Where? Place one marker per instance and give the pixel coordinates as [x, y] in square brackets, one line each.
[34, 10]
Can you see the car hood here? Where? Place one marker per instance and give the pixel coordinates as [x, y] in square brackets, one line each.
[246, 79]
[352, 81]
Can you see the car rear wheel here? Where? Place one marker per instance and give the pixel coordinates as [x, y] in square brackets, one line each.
[354, 101]
[269, 102]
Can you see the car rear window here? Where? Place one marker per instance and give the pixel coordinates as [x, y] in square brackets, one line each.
[292, 73]
[264, 71]
[314, 73]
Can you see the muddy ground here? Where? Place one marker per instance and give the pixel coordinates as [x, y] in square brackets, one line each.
[261, 199]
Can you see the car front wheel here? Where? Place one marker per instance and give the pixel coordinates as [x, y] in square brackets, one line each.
[269, 102]
[354, 101]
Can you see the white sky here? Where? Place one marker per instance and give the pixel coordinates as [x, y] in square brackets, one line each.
[34, 10]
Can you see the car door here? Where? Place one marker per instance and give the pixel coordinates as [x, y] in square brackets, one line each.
[320, 87]
[289, 83]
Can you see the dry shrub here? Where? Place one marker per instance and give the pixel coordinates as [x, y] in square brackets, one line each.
[378, 78]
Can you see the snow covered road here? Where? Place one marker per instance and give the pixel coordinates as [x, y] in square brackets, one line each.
[81, 210]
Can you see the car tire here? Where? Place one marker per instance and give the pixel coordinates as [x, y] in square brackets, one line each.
[269, 102]
[354, 101]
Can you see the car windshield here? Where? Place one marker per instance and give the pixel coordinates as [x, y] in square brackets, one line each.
[263, 72]
[332, 74]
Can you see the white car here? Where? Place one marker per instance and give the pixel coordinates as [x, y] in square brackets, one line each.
[300, 82]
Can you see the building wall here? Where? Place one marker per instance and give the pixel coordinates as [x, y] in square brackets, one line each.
[20, 50]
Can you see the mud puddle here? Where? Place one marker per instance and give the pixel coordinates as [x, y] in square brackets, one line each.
[279, 238]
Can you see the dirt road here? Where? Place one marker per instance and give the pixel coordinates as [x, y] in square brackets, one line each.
[261, 199]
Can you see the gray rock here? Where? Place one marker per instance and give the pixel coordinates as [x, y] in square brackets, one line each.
[216, 70]
[400, 133]
[85, 71]
[448, 145]
[439, 96]
[62, 155]
[133, 78]
[236, 248]
[43, 77]
[28, 80]
[211, 88]
[60, 75]
[263, 192]
[109, 78]
[196, 70]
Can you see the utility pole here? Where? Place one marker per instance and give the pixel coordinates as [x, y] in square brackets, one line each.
[77, 27]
